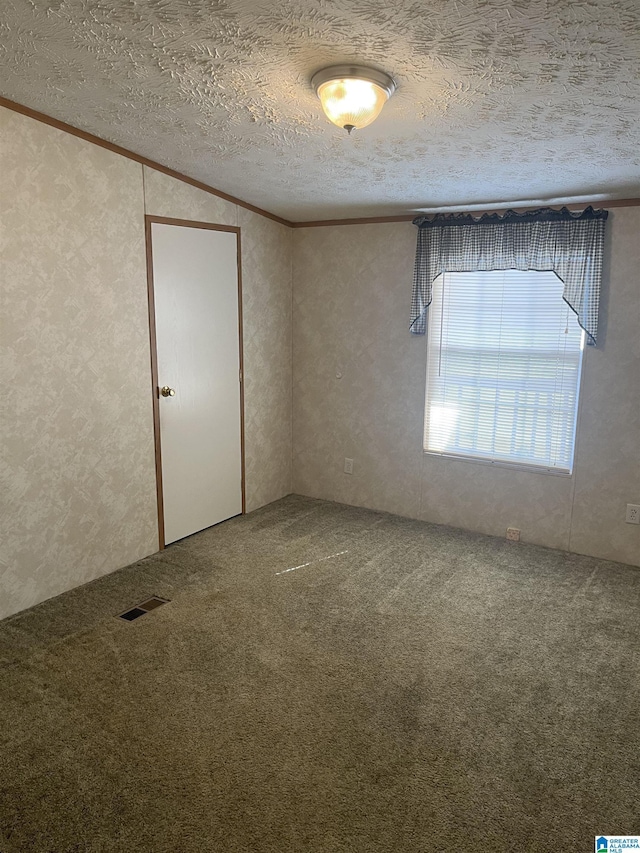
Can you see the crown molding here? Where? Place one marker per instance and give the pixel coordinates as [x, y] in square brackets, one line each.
[477, 211]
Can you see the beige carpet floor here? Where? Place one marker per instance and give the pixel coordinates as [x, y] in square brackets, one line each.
[327, 679]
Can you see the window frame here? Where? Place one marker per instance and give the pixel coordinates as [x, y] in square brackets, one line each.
[511, 464]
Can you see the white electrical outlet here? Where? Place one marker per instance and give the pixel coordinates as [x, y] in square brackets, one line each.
[348, 466]
[633, 514]
[513, 534]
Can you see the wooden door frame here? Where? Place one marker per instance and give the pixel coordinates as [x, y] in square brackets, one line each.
[155, 388]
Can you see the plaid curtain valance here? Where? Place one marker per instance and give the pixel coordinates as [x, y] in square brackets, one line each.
[568, 243]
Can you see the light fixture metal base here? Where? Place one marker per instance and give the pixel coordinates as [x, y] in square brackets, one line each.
[359, 72]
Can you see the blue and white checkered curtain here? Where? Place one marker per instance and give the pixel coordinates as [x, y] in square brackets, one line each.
[566, 242]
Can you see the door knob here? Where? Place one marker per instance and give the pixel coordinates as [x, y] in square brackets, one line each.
[167, 392]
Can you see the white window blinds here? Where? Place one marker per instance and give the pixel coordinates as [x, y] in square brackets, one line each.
[503, 369]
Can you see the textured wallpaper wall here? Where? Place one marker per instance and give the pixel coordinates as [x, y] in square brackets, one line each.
[77, 475]
[266, 310]
[359, 392]
[77, 472]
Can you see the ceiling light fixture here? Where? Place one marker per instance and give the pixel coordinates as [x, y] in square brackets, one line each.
[352, 96]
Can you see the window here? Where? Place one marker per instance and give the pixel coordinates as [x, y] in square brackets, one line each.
[503, 369]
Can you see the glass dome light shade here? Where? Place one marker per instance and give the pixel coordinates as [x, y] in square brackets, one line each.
[352, 97]
[351, 103]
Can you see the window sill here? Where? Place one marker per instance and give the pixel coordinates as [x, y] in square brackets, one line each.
[515, 466]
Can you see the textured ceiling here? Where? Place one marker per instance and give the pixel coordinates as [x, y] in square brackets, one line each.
[497, 100]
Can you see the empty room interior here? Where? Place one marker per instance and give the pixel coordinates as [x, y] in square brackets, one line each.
[320, 482]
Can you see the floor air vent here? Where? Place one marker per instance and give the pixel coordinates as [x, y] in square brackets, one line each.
[141, 609]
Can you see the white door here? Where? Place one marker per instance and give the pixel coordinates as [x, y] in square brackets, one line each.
[195, 288]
